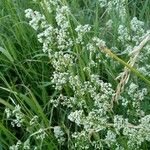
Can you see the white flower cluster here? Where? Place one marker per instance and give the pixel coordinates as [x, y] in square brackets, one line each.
[137, 28]
[81, 140]
[119, 123]
[39, 22]
[117, 7]
[136, 134]
[81, 30]
[19, 145]
[76, 84]
[41, 134]
[136, 95]
[69, 102]
[98, 42]
[110, 138]
[97, 118]
[60, 79]
[63, 38]
[15, 116]
[80, 89]
[35, 17]
[49, 4]
[132, 36]
[137, 25]
[145, 126]
[124, 35]
[91, 48]
[59, 134]
[51, 36]
[46, 37]
[62, 61]
[61, 17]
[15, 147]
[76, 117]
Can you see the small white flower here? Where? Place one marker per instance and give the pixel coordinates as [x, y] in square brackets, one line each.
[36, 18]
[8, 113]
[110, 138]
[76, 116]
[119, 123]
[98, 42]
[59, 134]
[16, 147]
[41, 134]
[137, 25]
[81, 30]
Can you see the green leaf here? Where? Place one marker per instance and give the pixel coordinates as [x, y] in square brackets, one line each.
[7, 54]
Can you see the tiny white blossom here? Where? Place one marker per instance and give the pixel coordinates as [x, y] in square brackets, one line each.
[110, 138]
[8, 113]
[76, 116]
[59, 134]
[81, 30]
[16, 147]
[41, 134]
[98, 42]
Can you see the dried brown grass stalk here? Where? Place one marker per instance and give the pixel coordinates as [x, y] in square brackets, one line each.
[124, 76]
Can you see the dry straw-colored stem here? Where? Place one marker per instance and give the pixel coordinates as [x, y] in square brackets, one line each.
[124, 76]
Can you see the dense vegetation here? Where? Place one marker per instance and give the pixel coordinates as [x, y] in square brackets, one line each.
[74, 74]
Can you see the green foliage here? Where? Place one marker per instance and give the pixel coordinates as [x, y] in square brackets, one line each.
[56, 83]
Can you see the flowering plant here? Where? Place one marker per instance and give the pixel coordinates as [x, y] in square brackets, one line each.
[92, 106]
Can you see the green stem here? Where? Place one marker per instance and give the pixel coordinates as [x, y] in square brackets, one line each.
[111, 54]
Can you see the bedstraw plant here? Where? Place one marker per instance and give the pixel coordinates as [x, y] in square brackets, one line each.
[75, 75]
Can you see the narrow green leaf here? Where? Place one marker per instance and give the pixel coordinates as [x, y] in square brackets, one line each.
[7, 54]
